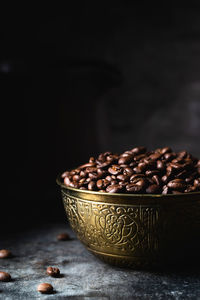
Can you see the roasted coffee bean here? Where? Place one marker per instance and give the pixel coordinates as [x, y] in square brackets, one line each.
[139, 181]
[104, 165]
[115, 170]
[125, 160]
[91, 169]
[178, 160]
[65, 174]
[83, 173]
[138, 150]
[169, 156]
[123, 183]
[134, 188]
[88, 165]
[133, 164]
[165, 190]
[76, 178]
[190, 189]
[156, 179]
[155, 156]
[156, 171]
[115, 188]
[82, 181]
[138, 157]
[128, 171]
[137, 170]
[74, 172]
[4, 253]
[124, 166]
[92, 186]
[176, 166]
[122, 177]
[153, 189]
[45, 288]
[165, 150]
[109, 178]
[128, 152]
[102, 183]
[182, 154]
[136, 176]
[165, 178]
[197, 182]
[112, 182]
[112, 158]
[107, 153]
[152, 172]
[93, 176]
[4, 276]
[101, 173]
[177, 184]
[63, 237]
[143, 166]
[170, 170]
[92, 160]
[53, 271]
[67, 181]
[74, 184]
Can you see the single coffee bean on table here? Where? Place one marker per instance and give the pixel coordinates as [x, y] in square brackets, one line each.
[4, 253]
[4, 276]
[45, 288]
[53, 271]
[63, 237]
[138, 171]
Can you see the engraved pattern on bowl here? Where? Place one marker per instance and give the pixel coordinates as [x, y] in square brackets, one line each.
[130, 230]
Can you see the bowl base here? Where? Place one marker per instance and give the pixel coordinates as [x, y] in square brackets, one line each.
[137, 263]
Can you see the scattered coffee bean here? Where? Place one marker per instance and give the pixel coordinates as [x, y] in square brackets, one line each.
[53, 271]
[5, 253]
[4, 276]
[63, 237]
[138, 171]
[45, 288]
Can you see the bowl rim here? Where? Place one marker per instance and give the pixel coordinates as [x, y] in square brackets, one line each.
[128, 195]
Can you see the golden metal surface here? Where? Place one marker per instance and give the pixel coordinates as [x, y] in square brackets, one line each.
[138, 231]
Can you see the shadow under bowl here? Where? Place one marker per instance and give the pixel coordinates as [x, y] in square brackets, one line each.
[140, 231]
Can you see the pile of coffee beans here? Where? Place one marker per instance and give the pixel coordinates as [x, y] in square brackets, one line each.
[138, 171]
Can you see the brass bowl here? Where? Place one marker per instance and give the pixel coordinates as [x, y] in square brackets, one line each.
[138, 231]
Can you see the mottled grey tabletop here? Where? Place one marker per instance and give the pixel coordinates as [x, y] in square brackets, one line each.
[83, 275]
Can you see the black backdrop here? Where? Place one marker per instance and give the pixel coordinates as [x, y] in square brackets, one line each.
[57, 71]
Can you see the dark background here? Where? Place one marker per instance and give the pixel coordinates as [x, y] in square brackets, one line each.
[86, 79]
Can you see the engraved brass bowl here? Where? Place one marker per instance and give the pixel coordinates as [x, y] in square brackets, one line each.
[138, 231]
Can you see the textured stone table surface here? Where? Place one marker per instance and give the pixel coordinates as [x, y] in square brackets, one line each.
[83, 275]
